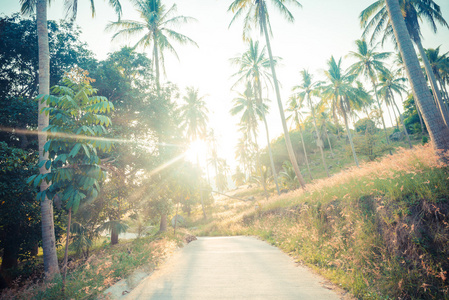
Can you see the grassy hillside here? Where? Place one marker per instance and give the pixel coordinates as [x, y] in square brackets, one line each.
[380, 231]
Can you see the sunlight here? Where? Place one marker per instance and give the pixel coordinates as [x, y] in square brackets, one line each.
[197, 149]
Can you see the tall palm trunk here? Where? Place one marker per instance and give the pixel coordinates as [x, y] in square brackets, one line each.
[270, 153]
[258, 164]
[156, 67]
[433, 83]
[48, 230]
[350, 139]
[420, 118]
[402, 122]
[328, 140]
[395, 117]
[304, 147]
[444, 93]
[439, 132]
[319, 141]
[381, 113]
[288, 142]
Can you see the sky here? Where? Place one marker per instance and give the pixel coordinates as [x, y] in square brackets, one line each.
[321, 29]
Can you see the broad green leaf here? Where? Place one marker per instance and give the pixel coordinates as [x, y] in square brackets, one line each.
[75, 150]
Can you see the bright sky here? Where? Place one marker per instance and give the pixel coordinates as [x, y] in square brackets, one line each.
[322, 28]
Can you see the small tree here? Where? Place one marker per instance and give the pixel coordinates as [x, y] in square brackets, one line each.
[73, 164]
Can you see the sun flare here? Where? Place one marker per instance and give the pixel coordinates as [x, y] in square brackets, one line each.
[197, 151]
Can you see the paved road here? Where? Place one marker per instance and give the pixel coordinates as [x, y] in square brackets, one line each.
[231, 268]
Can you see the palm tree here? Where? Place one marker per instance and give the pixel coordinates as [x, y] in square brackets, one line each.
[194, 115]
[369, 65]
[322, 121]
[390, 83]
[412, 11]
[438, 64]
[436, 126]
[294, 105]
[30, 7]
[257, 14]
[156, 27]
[342, 95]
[307, 87]
[247, 104]
[252, 66]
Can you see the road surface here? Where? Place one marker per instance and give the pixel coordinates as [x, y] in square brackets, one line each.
[231, 268]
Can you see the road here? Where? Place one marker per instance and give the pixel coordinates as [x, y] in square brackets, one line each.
[231, 268]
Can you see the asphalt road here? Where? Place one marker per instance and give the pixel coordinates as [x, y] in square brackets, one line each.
[231, 268]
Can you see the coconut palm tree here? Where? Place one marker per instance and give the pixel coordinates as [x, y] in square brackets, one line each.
[342, 95]
[251, 111]
[194, 120]
[438, 64]
[390, 83]
[369, 65]
[323, 122]
[306, 89]
[154, 30]
[39, 7]
[294, 105]
[257, 15]
[253, 66]
[436, 126]
[375, 18]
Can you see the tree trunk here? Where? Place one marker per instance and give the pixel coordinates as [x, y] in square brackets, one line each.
[288, 142]
[433, 82]
[439, 132]
[303, 146]
[381, 113]
[51, 267]
[270, 153]
[402, 122]
[328, 140]
[420, 118]
[259, 165]
[66, 251]
[156, 67]
[444, 92]
[350, 139]
[114, 237]
[163, 225]
[318, 136]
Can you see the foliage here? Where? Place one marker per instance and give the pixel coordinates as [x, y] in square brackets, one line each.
[362, 125]
[76, 122]
[288, 176]
[19, 210]
[19, 70]
[411, 118]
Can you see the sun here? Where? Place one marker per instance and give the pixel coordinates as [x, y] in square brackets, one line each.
[197, 152]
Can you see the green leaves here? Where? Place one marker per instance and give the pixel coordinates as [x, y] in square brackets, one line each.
[76, 122]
